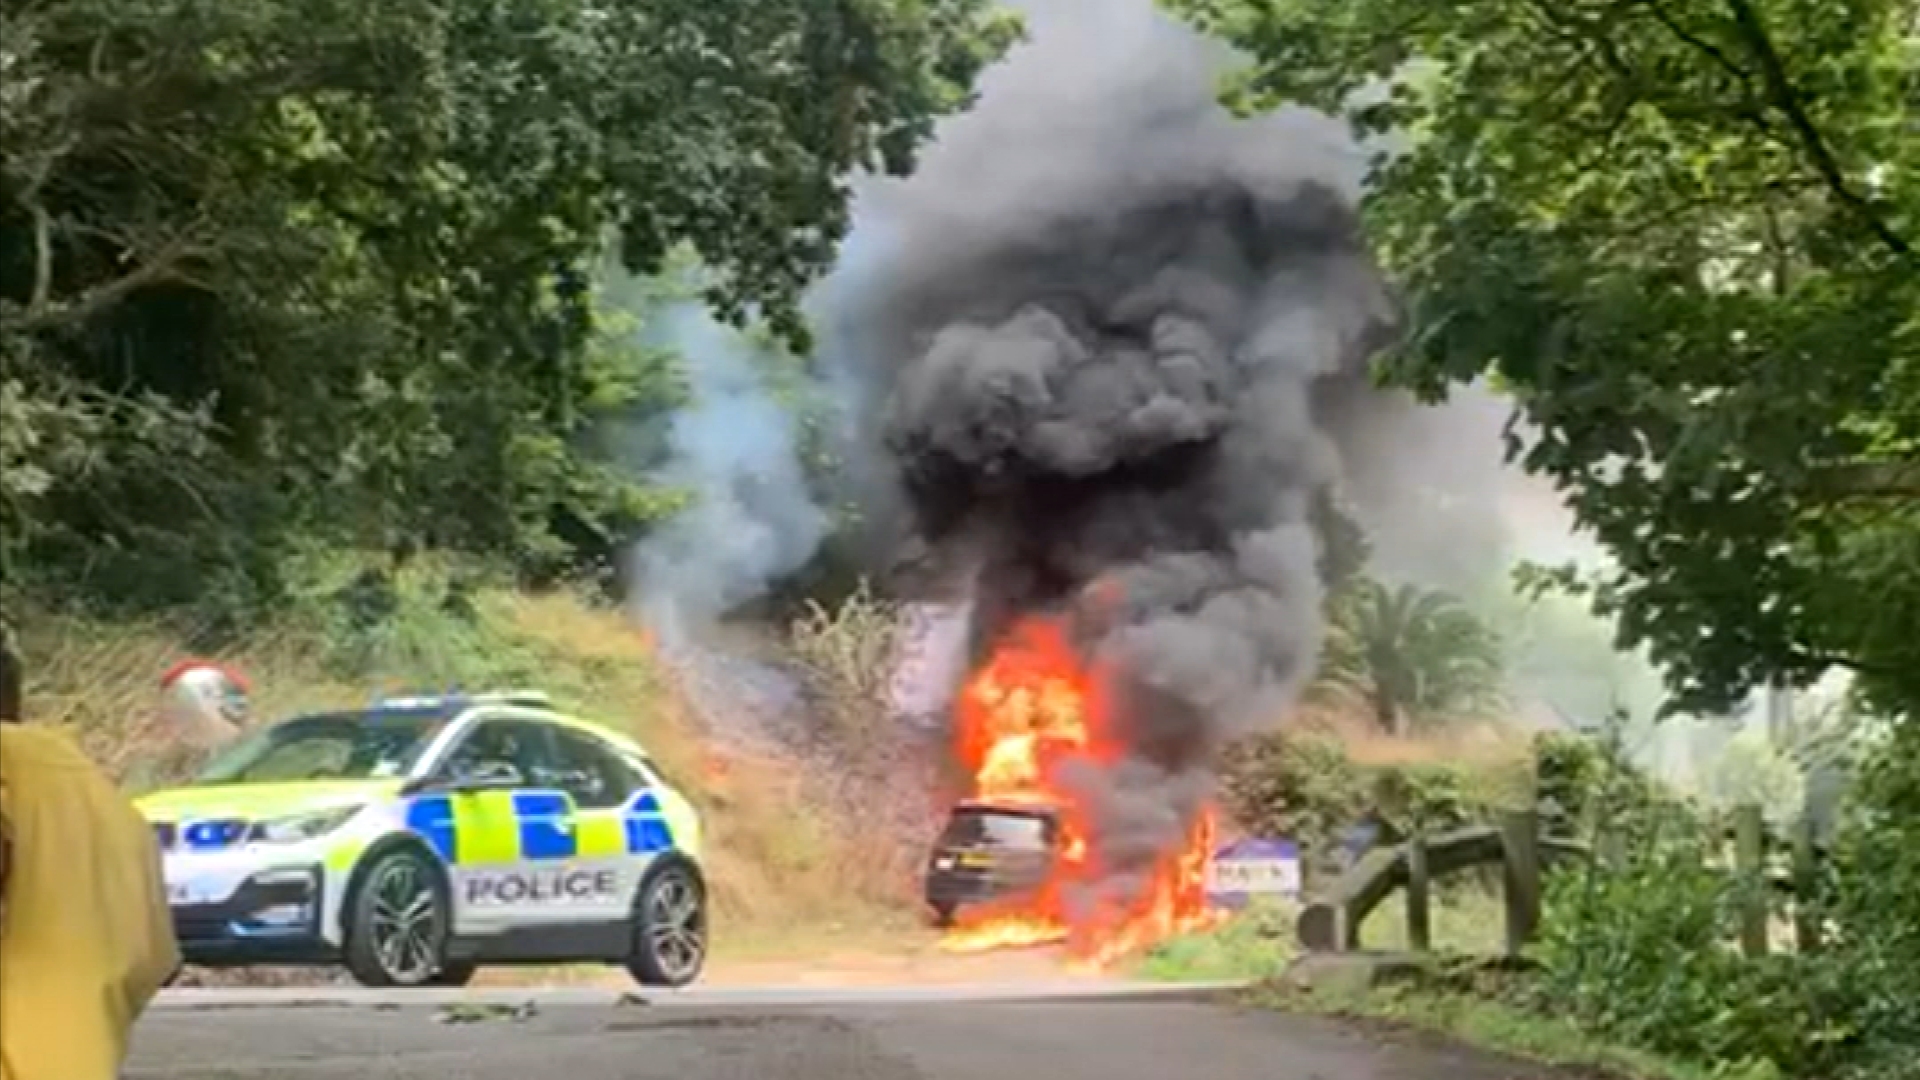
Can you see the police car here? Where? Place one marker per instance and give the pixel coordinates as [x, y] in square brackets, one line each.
[418, 839]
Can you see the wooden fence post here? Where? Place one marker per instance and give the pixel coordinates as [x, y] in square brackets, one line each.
[1610, 845]
[1520, 840]
[1806, 883]
[1750, 863]
[1419, 881]
[1349, 931]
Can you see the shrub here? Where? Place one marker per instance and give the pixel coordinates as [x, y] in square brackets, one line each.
[1306, 787]
[1437, 796]
[1298, 786]
[845, 654]
[881, 776]
[1640, 951]
[1640, 947]
[1874, 903]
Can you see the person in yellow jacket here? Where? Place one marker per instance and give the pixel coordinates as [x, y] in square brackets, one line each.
[86, 939]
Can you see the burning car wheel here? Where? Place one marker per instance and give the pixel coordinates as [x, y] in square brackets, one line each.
[397, 932]
[670, 935]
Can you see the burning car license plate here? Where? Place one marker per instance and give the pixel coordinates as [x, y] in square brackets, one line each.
[977, 860]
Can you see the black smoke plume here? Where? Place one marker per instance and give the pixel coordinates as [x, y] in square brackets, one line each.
[1095, 336]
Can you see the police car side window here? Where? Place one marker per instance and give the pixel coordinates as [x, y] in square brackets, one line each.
[594, 775]
[510, 742]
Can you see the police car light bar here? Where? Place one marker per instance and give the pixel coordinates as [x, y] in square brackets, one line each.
[532, 699]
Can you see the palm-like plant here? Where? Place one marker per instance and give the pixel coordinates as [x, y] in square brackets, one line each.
[1412, 652]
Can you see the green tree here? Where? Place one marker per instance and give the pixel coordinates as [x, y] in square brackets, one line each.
[1683, 234]
[1414, 653]
[274, 274]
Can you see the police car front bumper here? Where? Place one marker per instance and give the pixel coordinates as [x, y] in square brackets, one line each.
[274, 915]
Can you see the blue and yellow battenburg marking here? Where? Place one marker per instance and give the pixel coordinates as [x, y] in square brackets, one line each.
[501, 826]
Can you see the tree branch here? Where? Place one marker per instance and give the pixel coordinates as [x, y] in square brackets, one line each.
[1868, 480]
[42, 257]
[1752, 105]
[1781, 93]
[163, 268]
[1603, 140]
[1572, 29]
[29, 199]
[1849, 663]
[1718, 54]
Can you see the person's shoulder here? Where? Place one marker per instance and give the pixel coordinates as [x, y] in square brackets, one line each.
[41, 746]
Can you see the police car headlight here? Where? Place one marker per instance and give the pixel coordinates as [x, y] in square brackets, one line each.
[298, 827]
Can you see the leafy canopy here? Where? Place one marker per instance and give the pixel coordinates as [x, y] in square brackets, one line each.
[1685, 235]
[275, 272]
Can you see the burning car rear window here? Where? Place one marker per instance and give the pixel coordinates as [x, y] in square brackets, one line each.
[997, 828]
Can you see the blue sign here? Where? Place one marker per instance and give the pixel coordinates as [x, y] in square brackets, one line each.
[1251, 868]
[1356, 840]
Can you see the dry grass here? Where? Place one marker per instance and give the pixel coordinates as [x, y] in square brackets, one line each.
[102, 680]
[1469, 741]
[783, 877]
[885, 780]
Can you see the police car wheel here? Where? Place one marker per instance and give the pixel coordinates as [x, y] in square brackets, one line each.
[670, 932]
[397, 931]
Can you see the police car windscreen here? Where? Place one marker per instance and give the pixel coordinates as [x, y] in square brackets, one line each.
[335, 746]
[995, 828]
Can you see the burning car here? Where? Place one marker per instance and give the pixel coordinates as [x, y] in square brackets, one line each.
[1013, 867]
[991, 854]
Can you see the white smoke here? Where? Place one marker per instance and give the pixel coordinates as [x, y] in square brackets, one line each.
[751, 517]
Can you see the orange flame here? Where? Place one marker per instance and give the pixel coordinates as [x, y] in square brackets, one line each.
[1032, 707]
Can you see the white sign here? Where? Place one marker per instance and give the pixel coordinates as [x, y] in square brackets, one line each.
[1258, 876]
[1253, 867]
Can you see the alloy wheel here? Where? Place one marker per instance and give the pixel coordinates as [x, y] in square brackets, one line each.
[405, 923]
[676, 927]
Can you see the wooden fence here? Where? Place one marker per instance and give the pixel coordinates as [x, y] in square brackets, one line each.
[1520, 849]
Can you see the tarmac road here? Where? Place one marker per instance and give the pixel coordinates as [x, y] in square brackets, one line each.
[954, 1034]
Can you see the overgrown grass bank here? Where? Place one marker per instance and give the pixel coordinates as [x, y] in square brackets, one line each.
[1253, 944]
[783, 879]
